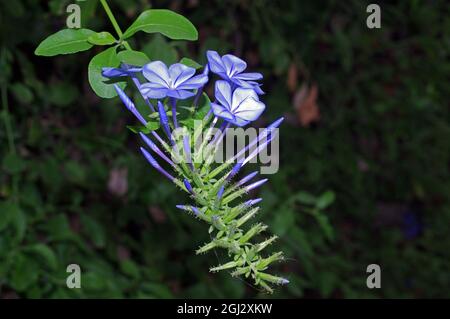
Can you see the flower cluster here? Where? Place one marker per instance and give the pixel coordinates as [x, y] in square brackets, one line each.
[213, 188]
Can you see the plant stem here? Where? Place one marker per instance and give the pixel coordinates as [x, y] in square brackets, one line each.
[114, 23]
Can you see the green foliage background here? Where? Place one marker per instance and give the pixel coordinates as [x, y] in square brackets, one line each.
[381, 147]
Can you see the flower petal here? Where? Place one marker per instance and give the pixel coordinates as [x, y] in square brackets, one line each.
[180, 94]
[233, 64]
[113, 72]
[157, 72]
[221, 111]
[122, 71]
[249, 76]
[240, 95]
[215, 62]
[194, 82]
[223, 93]
[239, 122]
[250, 109]
[179, 73]
[150, 91]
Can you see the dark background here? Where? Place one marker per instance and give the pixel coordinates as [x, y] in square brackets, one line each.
[367, 119]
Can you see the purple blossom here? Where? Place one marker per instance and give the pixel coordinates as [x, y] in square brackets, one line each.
[246, 179]
[283, 281]
[164, 120]
[190, 208]
[234, 170]
[239, 107]
[252, 202]
[155, 164]
[188, 186]
[175, 81]
[256, 184]
[129, 104]
[230, 68]
[123, 70]
[156, 149]
[220, 192]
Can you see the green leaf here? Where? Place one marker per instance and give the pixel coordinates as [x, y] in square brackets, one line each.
[58, 228]
[64, 42]
[19, 223]
[107, 58]
[7, 212]
[93, 281]
[45, 253]
[102, 38]
[166, 22]
[94, 230]
[160, 49]
[62, 94]
[325, 200]
[13, 163]
[306, 198]
[191, 63]
[151, 126]
[133, 57]
[25, 272]
[324, 223]
[22, 93]
[129, 268]
[75, 172]
[283, 222]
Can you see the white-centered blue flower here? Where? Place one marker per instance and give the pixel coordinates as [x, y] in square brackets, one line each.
[231, 68]
[177, 81]
[239, 107]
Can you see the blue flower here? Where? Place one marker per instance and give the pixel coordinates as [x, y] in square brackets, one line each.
[230, 68]
[239, 107]
[124, 70]
[175, 81]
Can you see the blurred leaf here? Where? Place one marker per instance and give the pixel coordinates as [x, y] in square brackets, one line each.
[166, 22]
[306, 198]
[305, 104]
[8, 210]
[93, 281]
[101, 38]
[93, 230]
[19, 222]
[22, 93]
[324, 223]
[159, 49]
[129, 268]
[62, 94]
[58, 228]
[283, 221]
[14, 8]
[64, 42]
[157, 290]
[76, 173]
[191, 63]
[44, 252]
[25, 272]
[107, 58]
[325, 200]
[13, 163]
[133, 57]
